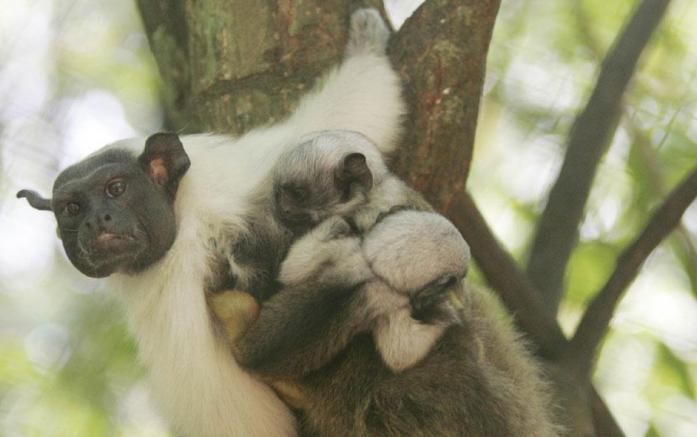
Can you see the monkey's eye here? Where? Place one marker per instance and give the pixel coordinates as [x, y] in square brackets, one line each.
[115, 188]
[295, 193]
[72, 208]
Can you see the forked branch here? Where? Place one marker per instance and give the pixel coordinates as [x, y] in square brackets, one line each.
[557, 229]
[594, 324]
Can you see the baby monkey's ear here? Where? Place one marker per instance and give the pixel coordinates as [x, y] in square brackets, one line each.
[165, 161]
[353, 169]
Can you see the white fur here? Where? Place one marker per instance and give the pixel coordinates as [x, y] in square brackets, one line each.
[410, 249]
[309, 256]
[402, 341]
[200, 388]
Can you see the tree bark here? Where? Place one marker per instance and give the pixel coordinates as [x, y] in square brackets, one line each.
[590, 136]
[231, 65]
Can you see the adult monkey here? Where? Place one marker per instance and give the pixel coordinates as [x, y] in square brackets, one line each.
[158, 220]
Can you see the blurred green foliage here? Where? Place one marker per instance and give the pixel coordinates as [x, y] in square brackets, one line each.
[68, 366]
[542, 66]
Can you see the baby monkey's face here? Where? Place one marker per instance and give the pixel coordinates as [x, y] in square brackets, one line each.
[307, 190]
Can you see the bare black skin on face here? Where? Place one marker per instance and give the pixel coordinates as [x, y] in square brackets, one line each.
[115, 210]
[307, 198]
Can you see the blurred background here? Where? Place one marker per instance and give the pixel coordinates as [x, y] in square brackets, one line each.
[77, 74]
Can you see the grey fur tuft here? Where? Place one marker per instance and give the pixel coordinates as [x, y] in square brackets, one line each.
[368, 33]
[392, 247]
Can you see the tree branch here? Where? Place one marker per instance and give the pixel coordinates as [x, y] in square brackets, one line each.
[166, 26]
[594, 324]
[557, 230]
[500, 270]
[603, 421]
[440, 53]
[231, 65]
[521, 299]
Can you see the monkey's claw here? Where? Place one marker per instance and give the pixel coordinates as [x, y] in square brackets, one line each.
[432, 294]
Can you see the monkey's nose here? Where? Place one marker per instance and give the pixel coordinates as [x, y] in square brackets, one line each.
[103, 220]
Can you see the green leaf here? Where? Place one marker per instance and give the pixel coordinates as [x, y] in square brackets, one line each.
[589, 267]
[673, 371]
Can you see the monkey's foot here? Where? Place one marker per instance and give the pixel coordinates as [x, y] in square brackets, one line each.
[236, 310]
[368, 33]
[432, 294]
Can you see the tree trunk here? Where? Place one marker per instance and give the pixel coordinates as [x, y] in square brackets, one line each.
[230, 65]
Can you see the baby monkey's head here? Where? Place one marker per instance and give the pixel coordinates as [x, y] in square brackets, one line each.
[327, 173]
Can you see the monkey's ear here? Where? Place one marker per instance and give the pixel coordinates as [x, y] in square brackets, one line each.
[165, 160]
[353, 169]
[35, 200]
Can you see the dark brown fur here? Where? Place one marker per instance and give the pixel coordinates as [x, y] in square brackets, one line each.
[478, 380]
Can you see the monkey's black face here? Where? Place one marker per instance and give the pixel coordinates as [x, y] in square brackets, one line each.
[115, 211]
[305, 196]
[299, 207]
[113, 219]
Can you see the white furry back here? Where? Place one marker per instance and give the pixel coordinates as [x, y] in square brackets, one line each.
[363, 95]
[196, 382]
[200, 388]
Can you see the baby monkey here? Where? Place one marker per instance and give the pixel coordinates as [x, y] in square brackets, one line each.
[337, 173]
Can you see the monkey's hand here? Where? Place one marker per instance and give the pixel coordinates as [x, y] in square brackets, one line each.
[236, 311]
[331, 252]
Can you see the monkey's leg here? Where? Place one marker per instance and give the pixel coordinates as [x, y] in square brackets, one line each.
[300, 329]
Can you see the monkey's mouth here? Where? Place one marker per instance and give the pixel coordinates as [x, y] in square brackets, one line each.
[105, 237]
[101, 255]
[111, 240]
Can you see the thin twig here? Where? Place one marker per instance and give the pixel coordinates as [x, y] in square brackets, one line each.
[557, 230]
[594, 324]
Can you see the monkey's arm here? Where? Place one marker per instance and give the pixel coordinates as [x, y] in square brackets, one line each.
[235, 310]
[326, 300]
[321, 306]
[297, 330]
